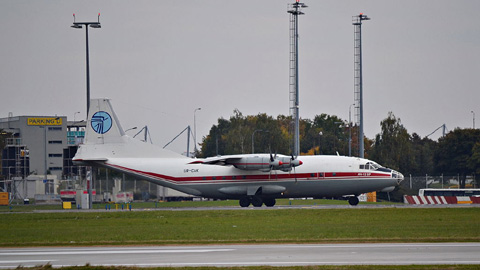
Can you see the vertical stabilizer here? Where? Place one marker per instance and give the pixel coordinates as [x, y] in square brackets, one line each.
[103, 126]
[105, 138]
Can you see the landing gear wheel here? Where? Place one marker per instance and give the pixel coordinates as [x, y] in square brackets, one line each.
[353, 200]
[269, 202]
[257, 201]
[244, 202]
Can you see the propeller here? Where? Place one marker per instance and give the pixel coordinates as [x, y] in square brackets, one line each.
[294, 162]
[274, 163]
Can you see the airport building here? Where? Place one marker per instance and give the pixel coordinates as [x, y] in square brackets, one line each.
[36, 161]
[37, 153]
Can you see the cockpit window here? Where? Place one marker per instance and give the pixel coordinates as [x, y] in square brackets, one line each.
[372, 166]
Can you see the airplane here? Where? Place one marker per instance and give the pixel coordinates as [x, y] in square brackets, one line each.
[253, 179]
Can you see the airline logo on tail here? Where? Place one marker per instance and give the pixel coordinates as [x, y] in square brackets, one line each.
[101, 122]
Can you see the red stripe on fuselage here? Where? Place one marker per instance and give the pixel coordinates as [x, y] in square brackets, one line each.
[250, 178]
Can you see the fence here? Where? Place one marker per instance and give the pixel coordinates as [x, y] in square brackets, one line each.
[412, 184]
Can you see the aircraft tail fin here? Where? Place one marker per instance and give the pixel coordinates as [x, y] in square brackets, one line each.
[105, 138]
[103, 125]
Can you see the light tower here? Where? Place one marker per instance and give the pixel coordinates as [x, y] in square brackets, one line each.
[295, 9]
[79, 25]
[358, 81]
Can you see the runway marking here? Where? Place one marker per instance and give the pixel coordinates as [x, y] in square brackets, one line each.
[406, 245]
[276, 263]
[103, 252]
[28, 261]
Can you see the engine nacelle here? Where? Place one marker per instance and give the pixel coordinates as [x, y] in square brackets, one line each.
[288, 163]
[252, 163]
[266, 163]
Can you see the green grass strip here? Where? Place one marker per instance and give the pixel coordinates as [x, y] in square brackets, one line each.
[246, 226]
[20, 207]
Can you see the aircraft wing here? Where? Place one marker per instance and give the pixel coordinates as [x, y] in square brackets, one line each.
[220, 160]
[250, 162]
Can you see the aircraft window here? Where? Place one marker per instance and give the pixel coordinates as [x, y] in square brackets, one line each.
[374, 166]
[370, 166]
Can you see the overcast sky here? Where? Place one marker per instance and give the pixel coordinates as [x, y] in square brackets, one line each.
[159, 60]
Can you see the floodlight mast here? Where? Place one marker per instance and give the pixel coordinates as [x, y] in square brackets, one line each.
[79, 25]
[358, 80]
[295, 10]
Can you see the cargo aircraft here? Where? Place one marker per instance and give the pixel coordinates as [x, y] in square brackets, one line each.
[256, 179]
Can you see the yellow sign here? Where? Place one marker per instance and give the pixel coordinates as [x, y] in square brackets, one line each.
[44, 121]
[67, 205]
[3, 198]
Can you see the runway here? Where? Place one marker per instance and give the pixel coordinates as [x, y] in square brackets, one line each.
[245, 255]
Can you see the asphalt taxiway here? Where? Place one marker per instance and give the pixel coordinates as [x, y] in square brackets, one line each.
[245, 255]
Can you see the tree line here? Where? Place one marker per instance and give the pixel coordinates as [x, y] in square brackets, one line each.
[458, 152]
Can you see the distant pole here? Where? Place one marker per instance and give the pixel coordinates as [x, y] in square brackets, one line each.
[253, 134]
[79, 25]
[106, 181]
[294, 92]
[195, 131]
[473, 119]
[350, 130]
[336, 135]
[47, 188]
[358, 84]
[216, 144]
[188, 141]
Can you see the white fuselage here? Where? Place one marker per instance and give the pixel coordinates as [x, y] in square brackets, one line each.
[255, 178]
[318, 176]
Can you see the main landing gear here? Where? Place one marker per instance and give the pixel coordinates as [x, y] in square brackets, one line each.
[353, 200]
[257, 201]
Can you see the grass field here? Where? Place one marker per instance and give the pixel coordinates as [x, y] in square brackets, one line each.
[19, 207]
[24, 226]
[247, 226]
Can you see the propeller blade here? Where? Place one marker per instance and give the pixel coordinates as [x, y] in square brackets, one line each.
[295, 173]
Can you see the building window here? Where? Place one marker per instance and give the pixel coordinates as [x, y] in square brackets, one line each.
[55, 168]
[55, 142]
[54, 128]
[55, 155]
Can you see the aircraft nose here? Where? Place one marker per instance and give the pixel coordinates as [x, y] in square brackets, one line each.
[398, 176]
